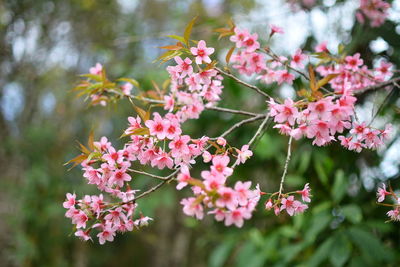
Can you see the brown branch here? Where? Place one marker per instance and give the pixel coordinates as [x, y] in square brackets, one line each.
[233, 111]
[377, 86]
[255, 88]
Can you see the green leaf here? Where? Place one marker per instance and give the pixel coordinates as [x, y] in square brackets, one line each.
[341, 250]
[129, 80]
[339, 186]
[249, 256]
[188, 31]
[95, 77]
[177, 37]
[322, 176]
[321, 253]
[373, 250]
[221, 253]
[352, 213]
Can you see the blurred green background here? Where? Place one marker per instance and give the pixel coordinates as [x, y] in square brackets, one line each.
[45, 44]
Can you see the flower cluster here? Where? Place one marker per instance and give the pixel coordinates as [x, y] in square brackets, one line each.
[248, 61]
[381, 194]
[376, 11]
[352, 75]
[231, 205]
[323, 119]
[93, 213]
[280, 202]
[109, 169]
[190, 91]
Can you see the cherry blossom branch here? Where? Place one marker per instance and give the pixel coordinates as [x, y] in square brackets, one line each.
[289, 153]
[255, 88]
[269, 52]
[171, 176]
[377, 86]
[233, 111]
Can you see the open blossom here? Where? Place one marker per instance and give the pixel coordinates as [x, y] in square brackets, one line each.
[142, 221]
[284, 112]
[243, 154]
[127, 88]
[292, 206]
[239, 37]
[107, 234]
[275, 29]
[83, 235]
[221, 141]
[237, 217]
[70, 202]
[297, 59]
[220, 164]
[305, 193]
[382, 193]
[96, 70]
[183, 177]
[321, 47]
[353, 62]
[191, 208]
[158, 126]
[394, 214]
[202, 52]
[103, 145]
[184, 66]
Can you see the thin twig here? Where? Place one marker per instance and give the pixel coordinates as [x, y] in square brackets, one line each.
[259, 131]
[381, 106]
[289, 153]
[255, 136]
[255, 88]
[147, 174]
[378, 86]
[240, 123]
[233, 111]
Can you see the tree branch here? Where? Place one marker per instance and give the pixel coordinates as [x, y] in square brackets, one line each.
[147, 174]
[233, 111]
[393, 81]
[255, 88]
[289, 153]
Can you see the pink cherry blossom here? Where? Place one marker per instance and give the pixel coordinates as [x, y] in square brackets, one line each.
[243, 154]
[382, 193]
[202, 52]
[297, 59]
[275, 29]
[237, 217]
[96, 70]
[191, 208]
[70, 201]
[305, 193]
[183, 177]
[158, 126]
[107, 234]
[220, 164]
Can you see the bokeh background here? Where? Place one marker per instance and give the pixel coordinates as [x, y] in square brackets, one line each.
[45, 45]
